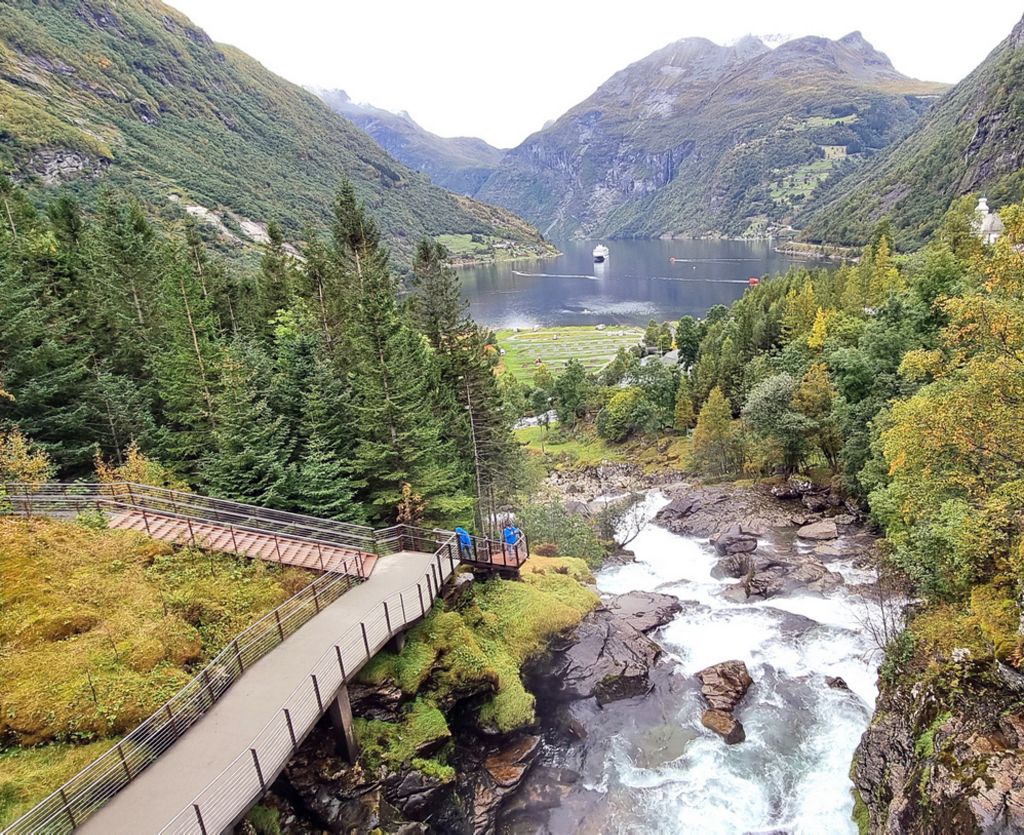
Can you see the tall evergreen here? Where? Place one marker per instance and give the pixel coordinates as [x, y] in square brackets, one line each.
[249, 457]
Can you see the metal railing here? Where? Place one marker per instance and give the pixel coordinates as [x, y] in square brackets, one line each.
[249, 775]
[154, 504]
[241, 783]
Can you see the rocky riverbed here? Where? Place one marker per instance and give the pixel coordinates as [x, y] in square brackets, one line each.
[721, 686]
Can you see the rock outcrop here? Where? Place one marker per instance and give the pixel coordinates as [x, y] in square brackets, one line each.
[921, 769]
[645, 611]
[606, 659]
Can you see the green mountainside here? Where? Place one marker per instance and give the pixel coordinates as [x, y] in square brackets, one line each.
[699, 138]
[460, 163]
[94, 92]
[970, 141]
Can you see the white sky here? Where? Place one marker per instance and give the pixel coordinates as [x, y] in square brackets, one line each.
[476, 68]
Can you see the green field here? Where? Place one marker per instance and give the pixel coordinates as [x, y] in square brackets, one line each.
[554, 347]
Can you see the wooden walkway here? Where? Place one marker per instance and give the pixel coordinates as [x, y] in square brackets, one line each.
[247, 543]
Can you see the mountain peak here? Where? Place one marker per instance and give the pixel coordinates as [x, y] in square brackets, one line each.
[855, 40]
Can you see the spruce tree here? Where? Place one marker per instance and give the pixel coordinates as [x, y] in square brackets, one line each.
[249, 458]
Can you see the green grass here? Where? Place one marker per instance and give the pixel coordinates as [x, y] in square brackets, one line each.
[581, 449]
[97, 629]
[554, 347]
[480, 648]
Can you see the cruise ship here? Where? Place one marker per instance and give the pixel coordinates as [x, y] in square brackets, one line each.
[600, 253]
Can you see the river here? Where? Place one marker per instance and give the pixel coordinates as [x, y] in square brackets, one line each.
[650, 766]
[637, 283]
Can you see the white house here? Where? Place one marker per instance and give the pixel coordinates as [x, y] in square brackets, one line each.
[989, 226]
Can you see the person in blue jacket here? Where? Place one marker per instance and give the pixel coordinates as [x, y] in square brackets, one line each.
[465, 542]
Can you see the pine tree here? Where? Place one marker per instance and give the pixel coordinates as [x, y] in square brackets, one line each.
[277, 275]
[186, 364]
[392, 375]
[325, 486]
[248, 461]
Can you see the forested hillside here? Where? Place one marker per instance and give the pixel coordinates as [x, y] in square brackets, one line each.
[698, 138]
[303, 385]
[969, 142]
[95, 94]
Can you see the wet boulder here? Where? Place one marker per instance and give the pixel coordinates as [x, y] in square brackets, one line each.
[645, 610]
[725, 725]
[734, 539]
[825, 529]
[723, 685]
[793, 488]
[502, 773]
[607, 659]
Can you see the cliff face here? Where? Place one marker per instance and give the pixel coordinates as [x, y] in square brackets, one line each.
[972, 140]
[700, 138]
[945, 757]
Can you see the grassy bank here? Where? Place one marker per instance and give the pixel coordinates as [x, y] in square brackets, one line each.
[475, 648]
[582, 447]
[97, 629]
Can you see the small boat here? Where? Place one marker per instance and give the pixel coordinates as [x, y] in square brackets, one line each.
[600, 253]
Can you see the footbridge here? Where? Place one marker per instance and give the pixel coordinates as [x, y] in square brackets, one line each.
[206, 756]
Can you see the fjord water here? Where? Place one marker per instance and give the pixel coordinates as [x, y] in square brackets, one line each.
[661, 771]
[637, 283]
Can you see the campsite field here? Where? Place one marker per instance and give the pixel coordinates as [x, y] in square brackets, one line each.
[554, 347]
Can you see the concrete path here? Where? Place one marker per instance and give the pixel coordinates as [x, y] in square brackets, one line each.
[152, 800]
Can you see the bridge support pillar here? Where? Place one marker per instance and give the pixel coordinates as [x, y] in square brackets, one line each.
[397, 643]
[339, 711]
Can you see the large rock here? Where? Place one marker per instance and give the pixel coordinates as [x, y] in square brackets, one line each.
[825, 529]
[607, 659]
[644, 610]
[734, 539]
[767, 576]
[724, 724]
[723, 685]
[501, 775]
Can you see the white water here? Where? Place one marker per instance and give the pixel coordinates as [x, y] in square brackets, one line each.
[791, 773]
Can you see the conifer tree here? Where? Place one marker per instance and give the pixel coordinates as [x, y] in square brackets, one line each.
[684, 416]
[325, 486]
[277, 275]
[716, 447]
[249, 458]
[186, 364]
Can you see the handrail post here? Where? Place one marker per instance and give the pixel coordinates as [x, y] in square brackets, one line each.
[316, 598]
[366, 642]
[320, 556]
[238, 655]
[419, 591]
[234, 542]
[259, 771]
[405, 618]
[199, 817]
[316, 689]
[191, 532]
[124, 762]
[451, 556]
[277, 547]
[341, 664]
[209, 686]
[291, 730]
[387, 617]
[174, 722]
[67, 809]
[277, 617]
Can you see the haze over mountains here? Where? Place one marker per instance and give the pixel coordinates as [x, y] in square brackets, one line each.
[694, 139]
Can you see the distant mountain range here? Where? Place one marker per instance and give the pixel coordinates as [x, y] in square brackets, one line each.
[694, 139]
[701, 139]
[96, 93]
[971, 141]
[461, 164]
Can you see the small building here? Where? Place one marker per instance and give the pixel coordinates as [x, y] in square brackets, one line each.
[987, 226]
[834, 151]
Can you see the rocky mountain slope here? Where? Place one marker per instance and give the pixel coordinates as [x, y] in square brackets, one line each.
[973, 140]
[460, 164]
[133, 94]
[699, 138]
